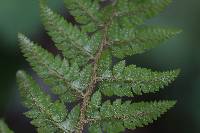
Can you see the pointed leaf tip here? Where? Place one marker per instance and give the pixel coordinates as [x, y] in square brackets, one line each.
[177, 71]
[21, 74]
[23, 40]
[20, 36]
[172, 103]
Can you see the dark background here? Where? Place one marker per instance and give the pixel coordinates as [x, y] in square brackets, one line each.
[181, 52]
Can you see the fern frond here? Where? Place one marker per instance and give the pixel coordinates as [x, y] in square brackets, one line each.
[67, 81]
[85, 76]
[86, 12]
[132, 80]
[74, 44]
[4, 128]
[131, 13]
[126, 42]
[46, 115]
[118, 116]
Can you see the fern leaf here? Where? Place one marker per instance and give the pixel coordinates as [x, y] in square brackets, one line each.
[86, 13]
[72, 119]
[4, 128]
[46, 115]
[104, 64]
[56, 72]
[93, 112]
[95, 128]
[74, 44]
[132, 13]
[118, 116]
[94, 105]
[126, 42]
[86, 75]
[96, 99]
[131, 80]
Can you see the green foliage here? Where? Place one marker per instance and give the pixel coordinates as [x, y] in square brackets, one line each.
[4, 128]
[84, 74]
[55, 71]
[130, 80]
[115, 117]
[86, 13]
[48, 116]
[137, 41]
[69, 39]
[131, 13]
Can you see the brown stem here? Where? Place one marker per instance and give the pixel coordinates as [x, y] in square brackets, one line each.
[92, 85]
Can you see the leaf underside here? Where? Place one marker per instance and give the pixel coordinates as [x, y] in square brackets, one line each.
[84, 73]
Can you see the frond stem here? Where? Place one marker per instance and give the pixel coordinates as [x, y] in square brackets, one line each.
[91, 86]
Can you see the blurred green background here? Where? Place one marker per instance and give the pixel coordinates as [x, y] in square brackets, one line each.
[181, 52]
